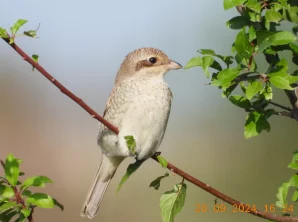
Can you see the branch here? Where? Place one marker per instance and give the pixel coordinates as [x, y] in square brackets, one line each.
[170, 166]
[281, 106]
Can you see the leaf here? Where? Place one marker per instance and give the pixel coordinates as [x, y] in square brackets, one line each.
[35, 58]
[268, 94]
[3, 33]
[225, 77]
[130, 170]
[294, 165]
[254, 17]
[156, 183]
[238, 22]
[131, 143]
[294, 181]
[8, 215]
[195, 61]
[6, 191]
[252, 89]
[232, 3]
[226, 59]
[295, 196]
[255, 124]
[26, 212]
[254, 5]
[242, 45]
[58, 204]
[273, 16]
[163, 162]
[14, 29]
[26, 193]
[295, 29]
[41, 200]
[207, 61]
[240, 101]
[37, 181]
[172, 202]
[282, 195]
[12, 169]
[8, 205]
[252, 33]
[280, 82]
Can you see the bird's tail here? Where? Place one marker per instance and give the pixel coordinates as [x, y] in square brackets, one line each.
[103, 176]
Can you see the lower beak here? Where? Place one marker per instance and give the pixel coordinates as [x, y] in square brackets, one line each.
[174, 65]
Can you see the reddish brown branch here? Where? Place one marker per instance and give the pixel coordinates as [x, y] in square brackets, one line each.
[170, 166]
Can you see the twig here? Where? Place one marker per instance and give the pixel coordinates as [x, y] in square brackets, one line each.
[2, 164]
[281, 106]
[113, 128]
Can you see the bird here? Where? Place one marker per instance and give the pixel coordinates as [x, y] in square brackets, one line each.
[139, 105]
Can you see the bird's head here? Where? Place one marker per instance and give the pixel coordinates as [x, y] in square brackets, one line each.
[145, 62]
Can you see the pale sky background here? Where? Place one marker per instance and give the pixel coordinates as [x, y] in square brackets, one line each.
[82, 44]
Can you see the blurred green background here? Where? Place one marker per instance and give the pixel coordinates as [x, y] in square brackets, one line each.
[82, 43]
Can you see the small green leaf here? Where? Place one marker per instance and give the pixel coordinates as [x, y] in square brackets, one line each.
[58, 204]
[282, 195]
[232, 3]
[254, 17]
[207, 61]
[280, 82]
[172, 202]
[254, 5]
[37, 181]
[238, 22]
[252, 33]
[131, 143]
[294, 181]
[242, 45]
[41, 200]
[30, 33]
[156, 183]
[11, 41]
[26, 212]
[26, 193]
[273, 16]
[35, 58]
[3, 33]
[195, 61]
[12, 169]
[8, 205]
[163, 162]
[225, 77]
[240, 101]
[8, 215]
[268, 94]
[6, 191]
[252, 89]
[130, 170]
[17, 26]
[295, 196]
[255, 124]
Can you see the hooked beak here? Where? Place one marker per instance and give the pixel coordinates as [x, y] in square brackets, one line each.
[173, 65]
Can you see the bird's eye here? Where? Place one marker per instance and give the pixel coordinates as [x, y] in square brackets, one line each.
[152, 60]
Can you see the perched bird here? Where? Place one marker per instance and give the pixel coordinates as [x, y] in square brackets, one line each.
[139, 105]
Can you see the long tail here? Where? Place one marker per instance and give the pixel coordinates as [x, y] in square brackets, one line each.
[104, 174]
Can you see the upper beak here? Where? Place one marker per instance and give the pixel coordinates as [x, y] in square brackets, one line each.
[174, 65]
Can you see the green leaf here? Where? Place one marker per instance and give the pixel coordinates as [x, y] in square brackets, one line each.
[26, 193]
[295, 29]
[268, 94]
[280, 82]
[37, 181]
[282, 195]
[156, 183]
[225, 77]
[294, 165]
[226, 59]
[130, 170]
[295, 196]
[240, 101]
[6, 191]
[238, 22]
[254, 5]
[207, 61]
[58, 204]
[35, 58]
[163, 162]
[195, 61]
[255, 124]
[294, 181]
[242, 45]
[232, 3]
[26, 212]
[12, 169]
[3, 33]
[172, 202]
[254, 17]
[17, 26]
[252, 33]
[131, 143]
[252, 89]
[41, 200]
[8, 205]
[273, 16]
[8, 215]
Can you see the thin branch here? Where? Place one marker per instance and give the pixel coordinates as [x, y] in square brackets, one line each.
[2, 164]
[281, 106]
[284, 113]
[113, 128]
